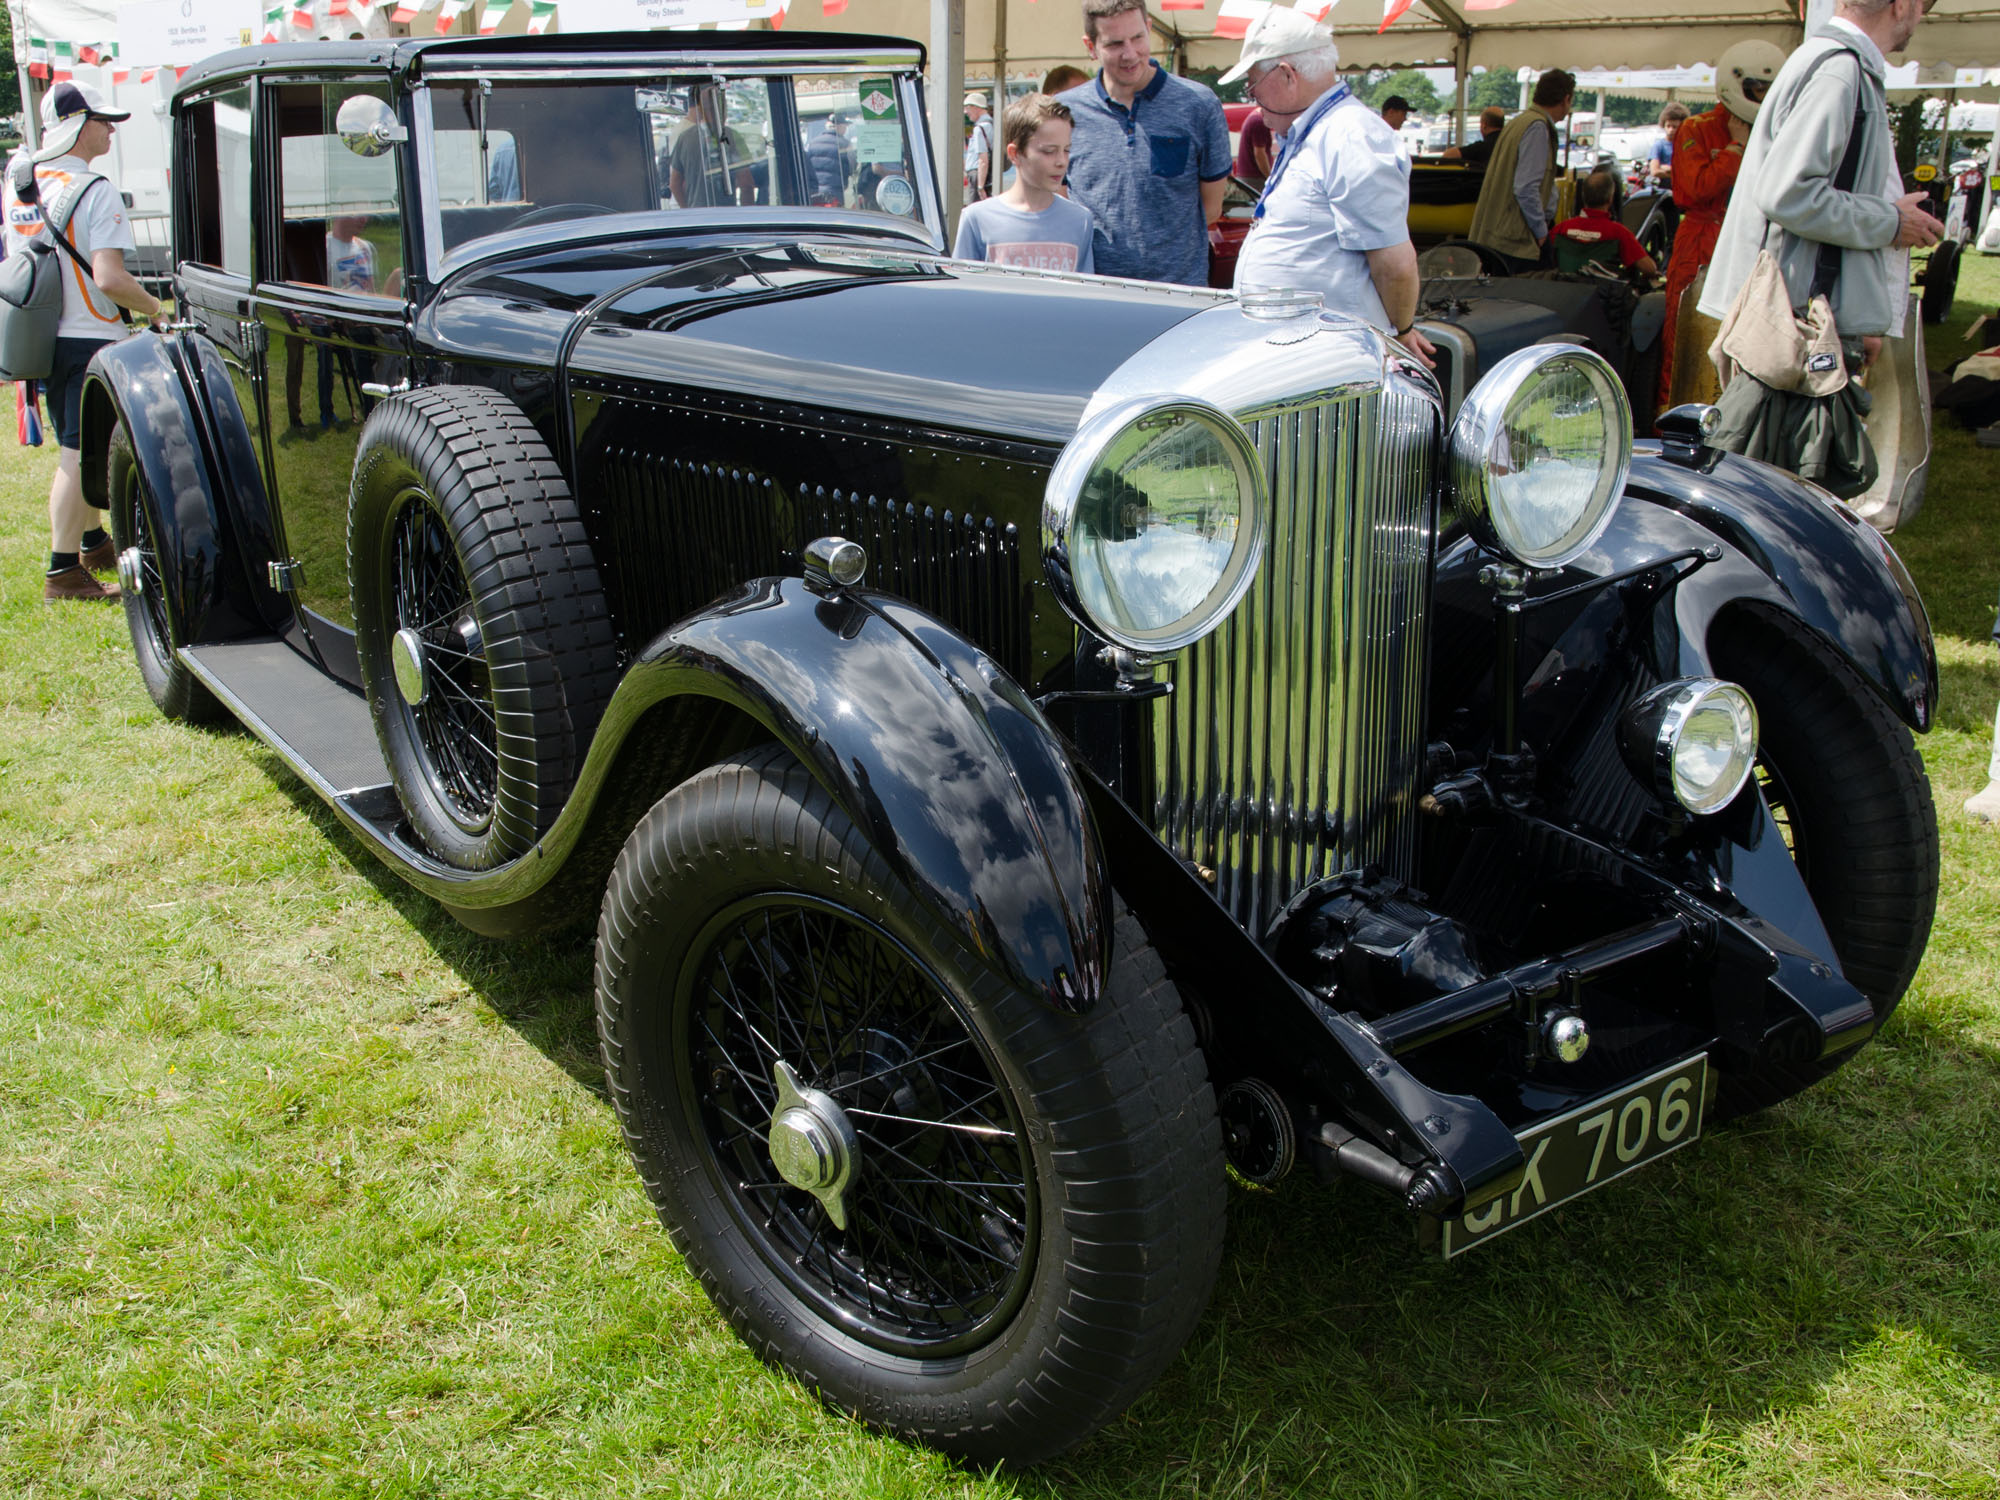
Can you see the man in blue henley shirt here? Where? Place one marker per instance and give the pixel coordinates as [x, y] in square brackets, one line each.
[1150, 154]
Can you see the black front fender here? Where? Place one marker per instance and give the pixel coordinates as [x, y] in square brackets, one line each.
[1793, 547]
[933, 752]
[149, 384]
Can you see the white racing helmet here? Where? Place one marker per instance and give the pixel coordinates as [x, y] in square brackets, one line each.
[1744, 76]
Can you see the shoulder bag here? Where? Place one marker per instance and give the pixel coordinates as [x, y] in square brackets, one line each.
[31, 290]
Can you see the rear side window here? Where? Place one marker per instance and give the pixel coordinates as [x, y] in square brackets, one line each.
[213, 204]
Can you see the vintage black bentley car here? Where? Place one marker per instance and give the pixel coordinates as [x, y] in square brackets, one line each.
[1025, 742]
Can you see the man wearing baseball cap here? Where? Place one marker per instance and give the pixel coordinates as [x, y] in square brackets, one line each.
[978, 148]
[1334, 214]
[76, 131]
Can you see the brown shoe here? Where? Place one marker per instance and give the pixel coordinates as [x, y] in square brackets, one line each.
[76, 583]
[103, 558]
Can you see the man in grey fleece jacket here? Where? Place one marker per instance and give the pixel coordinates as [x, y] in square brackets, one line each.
[1786, 182]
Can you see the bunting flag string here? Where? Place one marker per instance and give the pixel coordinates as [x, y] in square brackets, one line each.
[491, 14]
[544, 11]
[447, 14]
[1391, 9]
[1233, 19]
[404, 12]
[302, 16]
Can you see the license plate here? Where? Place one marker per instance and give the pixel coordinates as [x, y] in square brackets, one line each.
[1588, 1147]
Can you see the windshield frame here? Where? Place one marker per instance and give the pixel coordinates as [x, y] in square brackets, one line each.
[926, 224]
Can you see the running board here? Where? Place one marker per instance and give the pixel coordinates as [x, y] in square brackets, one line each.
[320, 728]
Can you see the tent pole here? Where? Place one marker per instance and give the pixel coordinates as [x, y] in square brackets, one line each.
[996, 163]
[1944, 140]
[31, 117]
[948, 83]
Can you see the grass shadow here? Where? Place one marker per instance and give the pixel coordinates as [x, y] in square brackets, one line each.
[540, 986]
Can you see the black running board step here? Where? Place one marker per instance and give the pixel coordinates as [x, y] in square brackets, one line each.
[318, 724]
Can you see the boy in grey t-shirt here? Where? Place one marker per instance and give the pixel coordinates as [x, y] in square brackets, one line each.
[1030, 224]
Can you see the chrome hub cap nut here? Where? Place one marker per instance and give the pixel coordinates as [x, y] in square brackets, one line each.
[131, 572]
[406, 652]
[812, 1144]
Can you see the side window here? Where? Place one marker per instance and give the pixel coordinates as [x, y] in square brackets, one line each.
[338, 196]
[215, 176]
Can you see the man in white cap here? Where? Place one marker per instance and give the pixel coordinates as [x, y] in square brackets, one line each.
[76, 131]
[978, 148]
[1334, 214]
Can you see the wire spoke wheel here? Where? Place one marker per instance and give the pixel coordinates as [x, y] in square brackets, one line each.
[481, 628]
[939, 1205]
[1783, 807]
[950, 1209]
[135, 528]
[454, 723]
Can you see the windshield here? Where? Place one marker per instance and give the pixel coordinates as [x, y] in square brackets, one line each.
[510, 155]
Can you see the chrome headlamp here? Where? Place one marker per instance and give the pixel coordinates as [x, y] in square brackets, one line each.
[1694, 740]
[1540, 452]
[1153, 523]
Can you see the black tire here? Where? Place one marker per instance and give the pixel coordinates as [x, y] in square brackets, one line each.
[1941, 281]
[1847, 789]
[174, 689]
[462, 530]
[991, 1301]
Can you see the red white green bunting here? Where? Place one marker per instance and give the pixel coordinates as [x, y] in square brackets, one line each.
[543, 12]
[38, 57]
[491, 14]
[448, 13]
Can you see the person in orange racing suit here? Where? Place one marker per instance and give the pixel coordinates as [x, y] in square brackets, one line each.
[1707, 152]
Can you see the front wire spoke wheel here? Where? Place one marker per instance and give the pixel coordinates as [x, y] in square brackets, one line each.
[937, 1196]
[950, 1209]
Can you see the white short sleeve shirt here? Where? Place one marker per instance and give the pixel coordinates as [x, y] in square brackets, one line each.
[1346, 192]
[97, 223]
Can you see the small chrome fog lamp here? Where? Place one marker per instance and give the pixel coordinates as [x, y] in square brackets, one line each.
[1693, 740]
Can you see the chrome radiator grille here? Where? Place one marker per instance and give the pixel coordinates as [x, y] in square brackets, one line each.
[1289, 748]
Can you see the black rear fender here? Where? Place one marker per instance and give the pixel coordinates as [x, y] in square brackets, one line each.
[195, 451]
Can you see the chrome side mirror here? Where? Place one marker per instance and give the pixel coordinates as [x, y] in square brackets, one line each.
[367, 126]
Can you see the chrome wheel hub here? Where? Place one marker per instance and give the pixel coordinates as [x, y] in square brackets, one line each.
[406, 652]
[132, 572]
[812, 1143]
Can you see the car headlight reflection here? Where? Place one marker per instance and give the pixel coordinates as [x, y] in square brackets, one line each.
[1694, 740]
[1540, 452]
[1153, 523]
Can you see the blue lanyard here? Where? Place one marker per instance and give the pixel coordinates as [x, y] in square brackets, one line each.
[1296, 137]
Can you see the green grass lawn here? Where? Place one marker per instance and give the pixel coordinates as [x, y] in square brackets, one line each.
[307, 1191]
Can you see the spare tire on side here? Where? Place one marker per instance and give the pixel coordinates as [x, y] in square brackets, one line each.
[486, 648]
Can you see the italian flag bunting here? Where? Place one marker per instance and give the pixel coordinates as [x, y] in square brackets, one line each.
[1313, 9]
[86, 53]
[447, 14]
[832, 7]
[274, 19]
[147, 75]
[1180, 4]
[543, 12]
[336, 7]
[65, 61]
[404, 12]
[1390, 10]
[1233, 18]
[38, 57]
[491, 14]
[359, 9]
[302, 16]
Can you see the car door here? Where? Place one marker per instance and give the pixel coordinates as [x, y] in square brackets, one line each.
[217, 235]
[333, 323]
